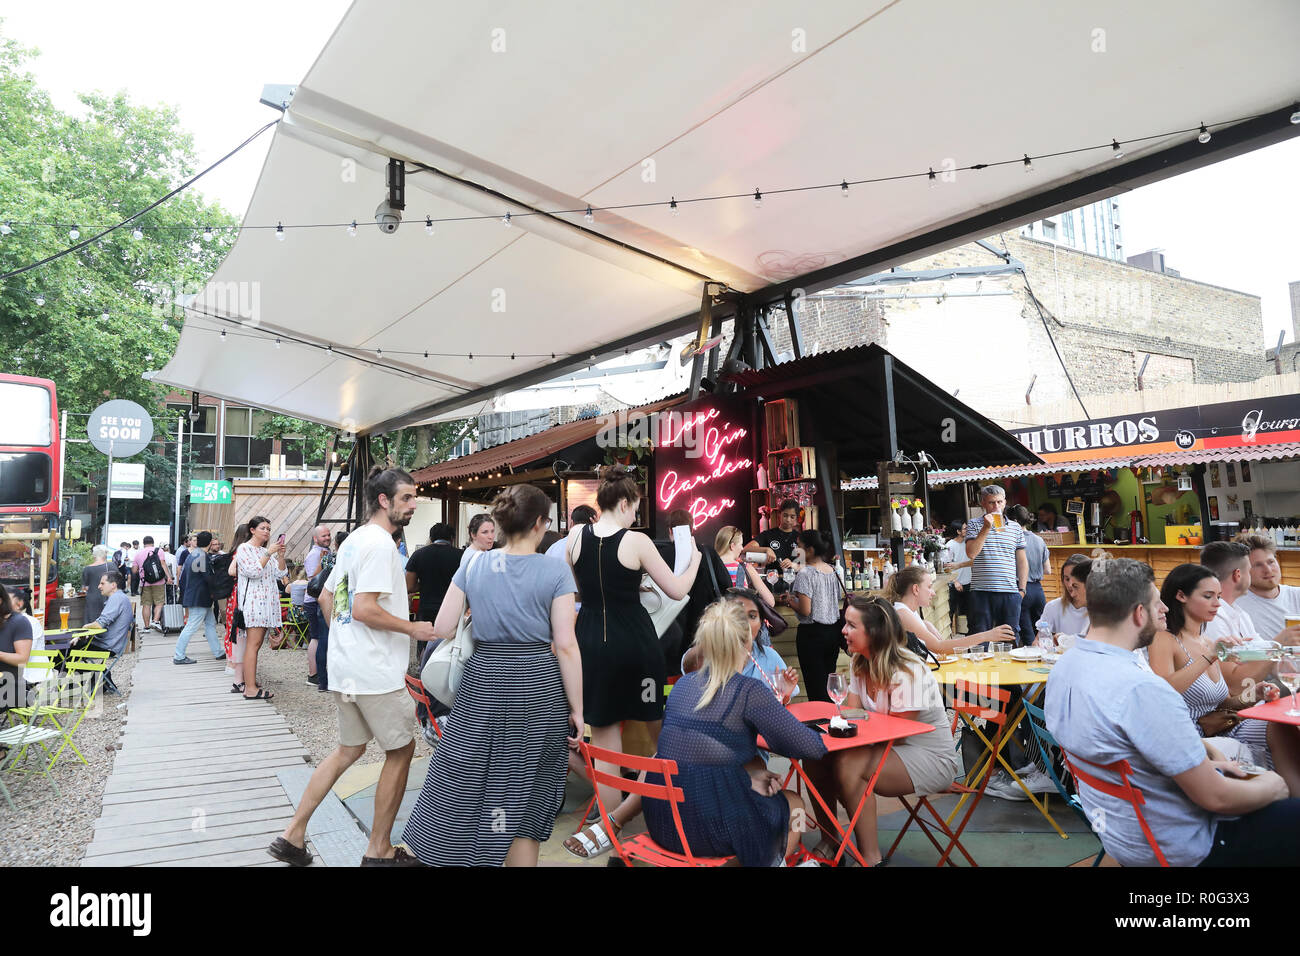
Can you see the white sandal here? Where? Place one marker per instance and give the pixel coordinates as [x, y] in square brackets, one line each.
[592, 850]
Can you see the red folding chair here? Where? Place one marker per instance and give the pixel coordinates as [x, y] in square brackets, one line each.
[1124, 790]
[969, 701]
[641, 848]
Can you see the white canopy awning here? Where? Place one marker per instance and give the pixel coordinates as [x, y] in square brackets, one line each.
[521, 106]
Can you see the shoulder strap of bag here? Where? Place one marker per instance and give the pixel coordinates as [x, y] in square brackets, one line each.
[713, 577]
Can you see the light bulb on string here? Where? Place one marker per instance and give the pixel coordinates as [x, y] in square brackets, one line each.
[505, 220]
[352, 229]
[223, 335]
[1029, 164]
[5, 228]
[1295, 117]
[40, 300]
[137, 234]
[279, 231]
[589, 216]
[758, 199]
[672, 206]
[207, 233]
[934, 180]
[104, 315]
[74, 233]
[1116, 152]
[1203, 136]
[277, 341]
[428, 225]
[844, 189]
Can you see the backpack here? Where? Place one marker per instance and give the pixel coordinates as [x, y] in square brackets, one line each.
[151, 569]
[217, 574]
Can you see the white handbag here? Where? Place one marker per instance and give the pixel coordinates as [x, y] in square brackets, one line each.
[442, 671]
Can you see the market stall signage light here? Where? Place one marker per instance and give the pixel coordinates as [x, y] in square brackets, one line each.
[712, 436]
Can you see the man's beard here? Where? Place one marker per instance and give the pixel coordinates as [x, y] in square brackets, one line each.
[1147, 634]
[397, 519]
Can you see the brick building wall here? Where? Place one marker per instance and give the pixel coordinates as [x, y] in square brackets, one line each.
[1104, 316]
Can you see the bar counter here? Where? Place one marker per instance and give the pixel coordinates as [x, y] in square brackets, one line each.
[1163, 558]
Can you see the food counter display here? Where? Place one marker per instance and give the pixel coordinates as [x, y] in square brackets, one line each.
[1162, 558]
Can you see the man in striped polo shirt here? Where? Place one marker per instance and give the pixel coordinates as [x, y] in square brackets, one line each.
[999, 569]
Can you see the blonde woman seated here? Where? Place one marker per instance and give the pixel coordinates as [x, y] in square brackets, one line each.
[711, 723]
[889, 679]
[729, 543]
[912, 589]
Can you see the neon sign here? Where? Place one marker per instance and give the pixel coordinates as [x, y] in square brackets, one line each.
[690, 491]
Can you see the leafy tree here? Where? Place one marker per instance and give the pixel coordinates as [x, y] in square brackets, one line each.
[92, 171]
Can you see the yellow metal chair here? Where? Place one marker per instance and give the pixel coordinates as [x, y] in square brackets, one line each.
[293, 625]
[48, 705]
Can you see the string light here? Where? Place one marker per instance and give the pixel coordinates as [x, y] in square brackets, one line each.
[207, 233]
[1295, 117]
[1118, 153]
[1204, 136]
[277, 341]
[137, 234]
[5, 228]
[352, 229]
[40, 300]
[672, 206]
[279, 231]
[104, 315]
[74, 233]
[223, 335]
[1029, 164]
[934, 180]
[589, 216]
[758, 199]
[428, 225]
[505, 220]
[844, 189]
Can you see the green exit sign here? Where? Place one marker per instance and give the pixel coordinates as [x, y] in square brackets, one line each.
[211, 492]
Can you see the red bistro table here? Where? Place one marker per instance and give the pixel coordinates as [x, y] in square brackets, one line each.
[873, 729]
[1275, 711]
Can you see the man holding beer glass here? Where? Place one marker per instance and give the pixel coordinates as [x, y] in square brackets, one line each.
[999, 569]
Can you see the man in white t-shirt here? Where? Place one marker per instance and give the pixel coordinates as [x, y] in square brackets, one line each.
[1269, 602]
[1230, 562]
[369, 649]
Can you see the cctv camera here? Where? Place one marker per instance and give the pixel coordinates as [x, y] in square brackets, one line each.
[387, 218]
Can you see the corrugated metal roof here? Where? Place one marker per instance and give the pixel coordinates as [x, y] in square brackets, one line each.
[524, 450]
[1274, 452]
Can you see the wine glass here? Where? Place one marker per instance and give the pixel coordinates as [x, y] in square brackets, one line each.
[837, 686]
[1288, 672]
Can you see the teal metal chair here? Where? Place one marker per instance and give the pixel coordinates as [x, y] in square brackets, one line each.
[1044, 739]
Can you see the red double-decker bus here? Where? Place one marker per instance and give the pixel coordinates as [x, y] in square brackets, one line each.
[29, 479]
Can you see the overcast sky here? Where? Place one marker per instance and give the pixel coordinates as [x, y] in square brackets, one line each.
[1234, 224]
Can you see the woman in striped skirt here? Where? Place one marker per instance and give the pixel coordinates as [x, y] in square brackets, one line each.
[496, 781]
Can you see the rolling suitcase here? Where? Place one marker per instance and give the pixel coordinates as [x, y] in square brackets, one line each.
[173, 616]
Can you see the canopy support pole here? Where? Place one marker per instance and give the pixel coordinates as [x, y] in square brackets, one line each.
[796, 337]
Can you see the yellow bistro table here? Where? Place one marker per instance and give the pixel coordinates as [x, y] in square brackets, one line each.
[994, 673]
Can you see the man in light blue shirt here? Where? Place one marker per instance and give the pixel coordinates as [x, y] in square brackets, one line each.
[115, 619]
[1103, 707]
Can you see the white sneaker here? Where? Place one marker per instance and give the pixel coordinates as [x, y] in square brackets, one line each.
[1036, 780]
[1003, 787]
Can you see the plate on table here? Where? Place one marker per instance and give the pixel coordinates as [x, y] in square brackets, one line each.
[947, 659]
[978, 656]
[1027, 653]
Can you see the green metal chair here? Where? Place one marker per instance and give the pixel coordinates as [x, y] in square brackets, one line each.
[1044, 739]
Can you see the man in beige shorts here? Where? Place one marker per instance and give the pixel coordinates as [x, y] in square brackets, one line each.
[369, 647]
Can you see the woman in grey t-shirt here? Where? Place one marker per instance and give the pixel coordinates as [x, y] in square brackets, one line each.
[815, 596]
[518, 704]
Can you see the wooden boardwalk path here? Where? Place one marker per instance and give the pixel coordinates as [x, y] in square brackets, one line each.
[195, 781]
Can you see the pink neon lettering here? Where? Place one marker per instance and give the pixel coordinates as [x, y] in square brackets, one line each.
[701, 511]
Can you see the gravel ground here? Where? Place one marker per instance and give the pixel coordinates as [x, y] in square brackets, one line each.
[310, 713]
[46, 831]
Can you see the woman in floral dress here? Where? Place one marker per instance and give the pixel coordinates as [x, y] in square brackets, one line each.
[258, 566]
[234, 636]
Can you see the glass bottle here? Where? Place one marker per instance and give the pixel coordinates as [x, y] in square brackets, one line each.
[1248, 653]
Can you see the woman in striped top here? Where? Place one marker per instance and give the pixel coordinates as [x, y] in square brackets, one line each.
[1185, 658]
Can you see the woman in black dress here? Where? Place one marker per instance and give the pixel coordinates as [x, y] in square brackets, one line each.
[623, 671]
